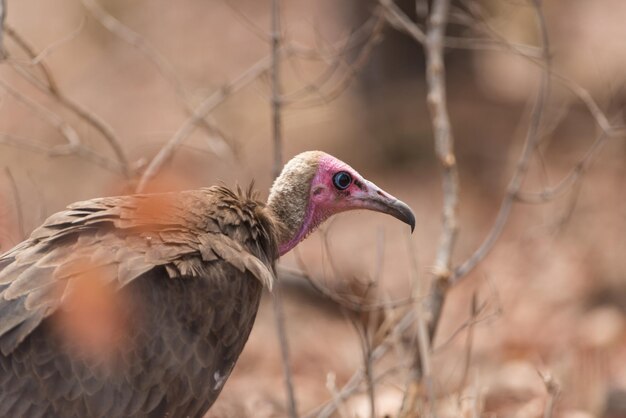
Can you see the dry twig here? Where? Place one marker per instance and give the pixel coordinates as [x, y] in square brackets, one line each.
[203, 109]
[444, 148]
[279, 315]
[554, 391]
[3, 15]
[532, 139]
[50, 88]
[18, 204]
[218, 144]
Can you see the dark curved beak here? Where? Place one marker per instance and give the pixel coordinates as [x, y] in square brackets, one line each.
[372, 197]
[401, 211]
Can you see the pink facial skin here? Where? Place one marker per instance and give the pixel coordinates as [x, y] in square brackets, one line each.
[326, 199]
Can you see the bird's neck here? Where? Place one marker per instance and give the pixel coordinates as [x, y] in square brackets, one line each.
[291, 210]
[290, 204]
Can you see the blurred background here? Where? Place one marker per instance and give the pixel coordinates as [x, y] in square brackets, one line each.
[554, 287]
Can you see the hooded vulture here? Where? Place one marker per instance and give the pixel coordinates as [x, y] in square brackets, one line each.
[184, 274]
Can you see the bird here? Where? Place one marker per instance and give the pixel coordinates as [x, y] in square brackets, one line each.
[187, 270]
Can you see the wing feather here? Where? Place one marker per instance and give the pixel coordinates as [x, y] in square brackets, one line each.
[126, 238]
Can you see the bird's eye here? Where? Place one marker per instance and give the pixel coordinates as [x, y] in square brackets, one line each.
[342, 180]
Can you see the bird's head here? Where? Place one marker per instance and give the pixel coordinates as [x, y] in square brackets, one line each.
[314, 186]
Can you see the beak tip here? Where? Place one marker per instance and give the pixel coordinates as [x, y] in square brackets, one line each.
[404, 213]
[412, 223]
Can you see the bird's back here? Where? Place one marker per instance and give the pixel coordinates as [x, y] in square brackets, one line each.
[188, 270]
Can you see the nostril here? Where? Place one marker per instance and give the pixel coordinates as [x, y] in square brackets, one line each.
[379, 193]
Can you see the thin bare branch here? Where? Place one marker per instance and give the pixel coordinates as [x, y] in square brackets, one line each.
[354, 383]
[399, 20]
[363, 333]
[3, 16]
[354, 41]
[25, 46]
[279, 317]
[471, 322]
[421, 370]
[66, 131]
[61, 150]
[276, 90]
[444, 141]
[444, 149]
[277, 139]
[351, 70]
[574, 176]
[474, 312]
[554, 391]
[23, 143]
[522, 50]
[532, 139]
[190, 124]
[219, 145]
[17, 200]
[50, 88]
[332, 388]
[345, 301]
[58, 43]
[424, 348]
[248, 23]
[132, 38]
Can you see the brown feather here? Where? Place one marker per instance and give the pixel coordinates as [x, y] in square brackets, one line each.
[185, 259]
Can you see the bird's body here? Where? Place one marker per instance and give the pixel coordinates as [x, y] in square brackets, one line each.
[187, 270]
[177, 258]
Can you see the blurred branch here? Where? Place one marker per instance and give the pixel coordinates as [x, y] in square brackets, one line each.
[18, 203]
[421, 370]
[332, 388]
[203, 109]
[353, 384]
[135, 40]
[338, 52]
[399, 20]
[276, 90]
[25, 46]
[475, 8]
[568, 181]
[51, 89]
[363, 333]
[437, 295]
[24, 143]
[479, 316]
[248, 23]
[3, 16]
[222, 149]
[444, 141]
[474, 312]
[328, 52]
[513, 191]
[353, 304]
[74, 144]
[279, 314]
[60, 150]
[44, 53]
[523, 163]
[444, 149]
[365, 38]
[554, 391]
[93, 120]
[66, 131]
